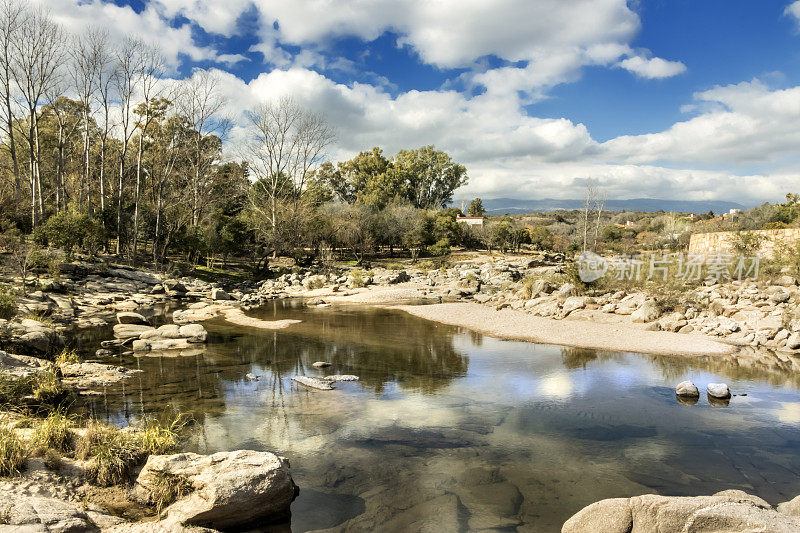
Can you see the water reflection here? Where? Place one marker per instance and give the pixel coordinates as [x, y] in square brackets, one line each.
[451, 431]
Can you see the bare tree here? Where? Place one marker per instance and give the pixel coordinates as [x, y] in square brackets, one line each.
[38, 54]
[287, 146]
[600, 204]
[129, 60]
[12, 14]
[589, 200]
[152, 69]
[202, 103]
[87, 53]
[107, 73]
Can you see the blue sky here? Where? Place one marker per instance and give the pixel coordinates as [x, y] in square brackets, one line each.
[689, 99]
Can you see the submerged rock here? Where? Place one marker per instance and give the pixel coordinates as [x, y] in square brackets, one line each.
[727, 511]
[228, 490]
[129, 317]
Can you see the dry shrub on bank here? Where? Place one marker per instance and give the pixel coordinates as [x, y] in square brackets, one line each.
[110, 453]
[54, 431]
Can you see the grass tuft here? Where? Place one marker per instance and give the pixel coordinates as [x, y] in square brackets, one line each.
[54, 432]
[67, 356]
[110, 453]
[168, 487]
[12, 452]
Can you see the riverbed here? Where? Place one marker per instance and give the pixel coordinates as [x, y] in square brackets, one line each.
[454, 430]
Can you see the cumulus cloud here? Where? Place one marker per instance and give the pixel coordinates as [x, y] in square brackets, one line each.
[793, 11]
[652, 68]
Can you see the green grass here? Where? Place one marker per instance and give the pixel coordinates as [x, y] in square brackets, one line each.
[162, 435]
[13, 452]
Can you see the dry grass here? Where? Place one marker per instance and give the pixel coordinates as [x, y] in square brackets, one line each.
[110, 453]
[54, 432]
[166, 488]
[13, 452]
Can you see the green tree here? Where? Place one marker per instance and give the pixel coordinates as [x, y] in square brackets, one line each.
[430, 175]
[475, 208]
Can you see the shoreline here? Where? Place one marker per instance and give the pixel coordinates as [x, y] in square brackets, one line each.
[508, 324]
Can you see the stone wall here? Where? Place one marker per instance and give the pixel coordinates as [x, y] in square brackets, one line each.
[721, 242]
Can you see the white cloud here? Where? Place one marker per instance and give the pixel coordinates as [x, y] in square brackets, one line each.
[213, 16]
[76, 15]
[793, 10]
[652, 68]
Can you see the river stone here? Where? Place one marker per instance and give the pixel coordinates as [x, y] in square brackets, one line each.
[130, 331]
[193, 333]
[314, 383]
[33, 514]
[573, 303]
[232, 490]
[687, 388]
[167, 331]
[718, 390]
[786, 281]
[566, 290]
[129, 317]
[321, 364]
[219, 294]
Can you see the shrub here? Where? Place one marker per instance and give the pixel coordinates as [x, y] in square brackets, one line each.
[8, 302]
[357, 279]
[67, 356]
[68, 230]
[440, 248]
[12, 452]
[110, 453]
[54, 432]
[48, 389]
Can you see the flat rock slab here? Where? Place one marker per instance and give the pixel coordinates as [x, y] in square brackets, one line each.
[33, 514]
[323, 383]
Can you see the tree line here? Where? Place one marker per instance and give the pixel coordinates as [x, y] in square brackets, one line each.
[102, 150]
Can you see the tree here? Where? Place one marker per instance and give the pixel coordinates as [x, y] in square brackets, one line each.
[286, 149]
[476, 209]
[12, 15]
[431, 176]
[38, 54]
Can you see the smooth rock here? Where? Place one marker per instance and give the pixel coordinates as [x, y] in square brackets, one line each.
[718, 390]
[793, 342]
[219, 294]
[687, 388]
[37, 514]
[194, 333]
[232, 490]
[321, 364]
[130, 331]
[647, 312]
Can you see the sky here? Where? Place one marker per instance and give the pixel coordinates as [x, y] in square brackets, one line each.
[674, 99]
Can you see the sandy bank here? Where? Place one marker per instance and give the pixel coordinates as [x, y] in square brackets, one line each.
[375, 294]
[517, 325]
[236, 316]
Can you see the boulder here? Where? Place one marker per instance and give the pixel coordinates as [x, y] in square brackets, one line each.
[687, 388]
[790, 508]
[229, 490]
[401, 277]
[729, 511]
[321, 364]
[541, 286]
[167, 331]
[786, 281]
[573, 303]
[193, 333]
[718, 390]
[173, 286]
[129, 317]
[37, 514]
[219, 294]
[647, 312]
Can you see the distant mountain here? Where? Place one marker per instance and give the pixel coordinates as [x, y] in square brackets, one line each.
[501, 206]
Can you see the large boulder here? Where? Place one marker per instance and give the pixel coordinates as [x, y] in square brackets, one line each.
[228, 490]
[31, 337]
[219, 294]
[33, 514]
[731, 511]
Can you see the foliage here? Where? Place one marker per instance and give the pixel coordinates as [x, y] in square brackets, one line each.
[69, 230]
[747, 242]
[12, 452]
[440, 248]
[357, 278]
[67, 356]
[476, 208]
[8, 302]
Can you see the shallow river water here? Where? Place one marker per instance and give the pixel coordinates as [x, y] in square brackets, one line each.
[450, 430]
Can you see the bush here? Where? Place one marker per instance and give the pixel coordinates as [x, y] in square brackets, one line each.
[48, 389]
[8, 302]
[67, 356]
[68, 230]
[12, 452]
[357, 278]
[440, 248]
